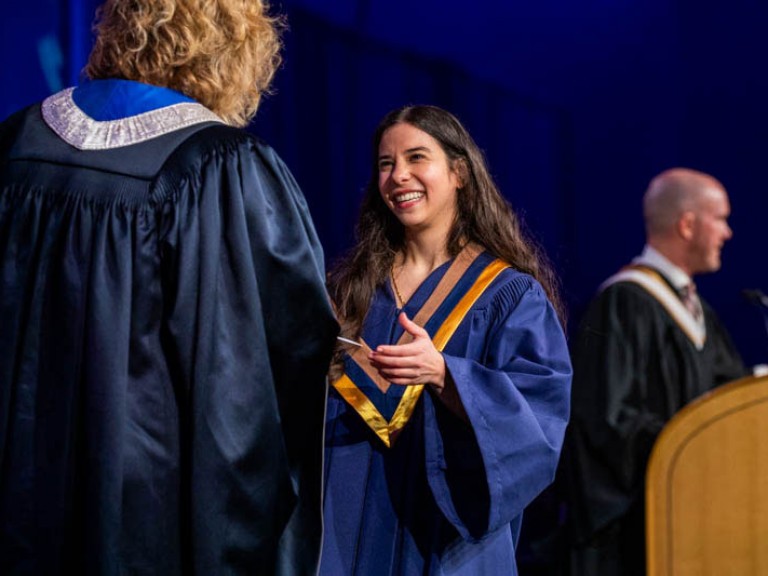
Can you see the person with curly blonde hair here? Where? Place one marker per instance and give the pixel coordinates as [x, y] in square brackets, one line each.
[161, 394]
[223, 54]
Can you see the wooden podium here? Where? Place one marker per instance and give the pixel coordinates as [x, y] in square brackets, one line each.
[707, 486]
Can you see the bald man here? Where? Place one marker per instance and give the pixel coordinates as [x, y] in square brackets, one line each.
[647, 346]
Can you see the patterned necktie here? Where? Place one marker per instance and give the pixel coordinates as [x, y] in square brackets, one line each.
[691, 301]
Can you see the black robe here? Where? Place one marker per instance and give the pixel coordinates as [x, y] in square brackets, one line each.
[164, 339]
[634, 368]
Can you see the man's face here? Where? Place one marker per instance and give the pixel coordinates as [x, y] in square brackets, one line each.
[710, 231]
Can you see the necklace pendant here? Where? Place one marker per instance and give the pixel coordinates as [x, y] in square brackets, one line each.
[399, 300]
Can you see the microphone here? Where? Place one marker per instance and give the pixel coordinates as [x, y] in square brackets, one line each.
[756, 297]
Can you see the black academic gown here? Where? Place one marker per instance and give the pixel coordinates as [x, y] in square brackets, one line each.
[164, 336]
[634, 368]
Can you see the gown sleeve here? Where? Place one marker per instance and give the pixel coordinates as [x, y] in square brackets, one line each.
[515, 388]
[250, 326]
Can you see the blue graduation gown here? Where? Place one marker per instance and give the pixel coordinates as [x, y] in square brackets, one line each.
[162, 394]
[447, 498]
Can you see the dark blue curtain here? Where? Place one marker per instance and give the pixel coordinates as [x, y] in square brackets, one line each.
[336, 85]
[44, 45]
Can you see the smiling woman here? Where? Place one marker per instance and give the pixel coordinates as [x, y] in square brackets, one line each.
[448, 420]
[418, 183]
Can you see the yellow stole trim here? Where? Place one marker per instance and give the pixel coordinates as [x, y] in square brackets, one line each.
[388, 431]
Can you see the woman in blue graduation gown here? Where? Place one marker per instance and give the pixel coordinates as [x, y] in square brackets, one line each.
[447, 416]
[162, 395]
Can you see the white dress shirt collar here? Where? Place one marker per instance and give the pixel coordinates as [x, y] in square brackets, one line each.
[655, 259]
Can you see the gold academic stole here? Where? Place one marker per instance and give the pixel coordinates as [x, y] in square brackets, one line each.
[453, 287]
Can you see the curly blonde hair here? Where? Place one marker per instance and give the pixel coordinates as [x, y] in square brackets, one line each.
[222, 53]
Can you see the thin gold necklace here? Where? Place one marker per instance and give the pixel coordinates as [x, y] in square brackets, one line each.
[398, 296]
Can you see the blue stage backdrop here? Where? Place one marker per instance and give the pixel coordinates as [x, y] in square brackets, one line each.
[577, 106]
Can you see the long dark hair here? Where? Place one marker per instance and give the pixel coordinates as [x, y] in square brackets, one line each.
[483, 216]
